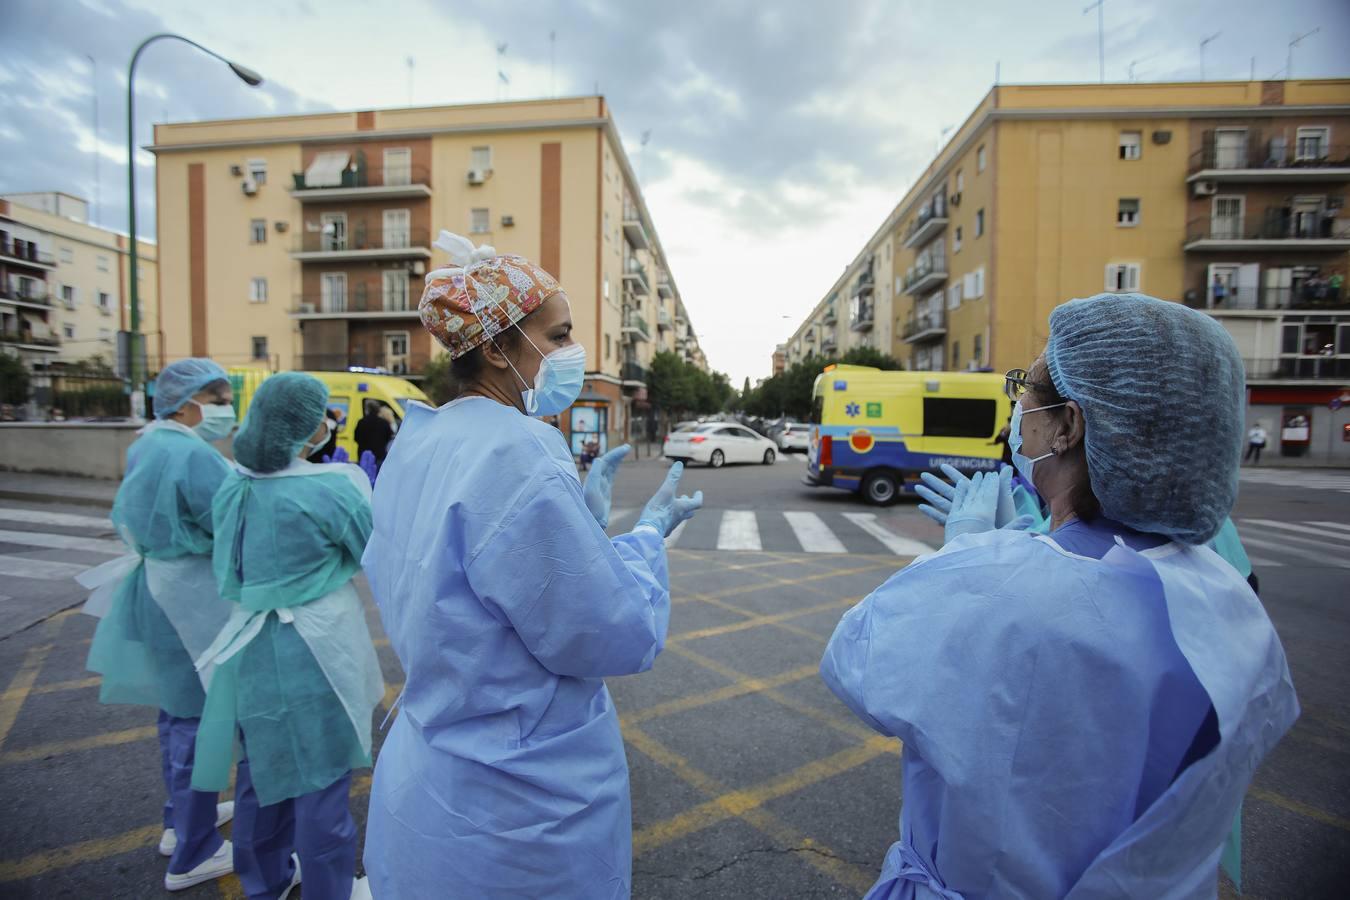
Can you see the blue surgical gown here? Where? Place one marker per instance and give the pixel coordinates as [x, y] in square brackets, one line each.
[163, 507]
[504, 773]
[1058, 712]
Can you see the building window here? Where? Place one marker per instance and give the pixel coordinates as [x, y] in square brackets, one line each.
[979, 223]
[257, 231]
[257, 290]
[1122, 277]
[606, 226]
[604, 287]
[397, 228]
[888, 251]
[67, 254]
[397, 165]
[980, 159]
[104, 302]
[1313, 143]
[1226, 216]
[257, 170]
[260, 347]
[395, 287]
[68, 331]
[960, 180]
[68, 295]
[479, 221]
[956, 356]
[977, 352]
[956, 240]
[954, 296]
[105, 335]
[607, 347]
[1131, 145]
[1127, 212]
[103, 263]
[480, 158]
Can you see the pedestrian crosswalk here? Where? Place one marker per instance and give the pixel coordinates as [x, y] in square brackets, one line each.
[1311, 479]
[791, 531]
[39, 545]
[1310, 544]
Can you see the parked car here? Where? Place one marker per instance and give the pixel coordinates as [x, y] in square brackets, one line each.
[687, 426]
[793, 436]
[718, 443]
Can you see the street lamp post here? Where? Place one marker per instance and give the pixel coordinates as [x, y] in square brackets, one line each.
[249, 77]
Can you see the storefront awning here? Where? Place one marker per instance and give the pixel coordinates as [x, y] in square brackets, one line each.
[326, 170]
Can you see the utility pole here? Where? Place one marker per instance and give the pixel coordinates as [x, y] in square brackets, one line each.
[93, 66]
[552, 61]
[1204, 42]
[1101, 37]
[411, 63]
[1289, 63]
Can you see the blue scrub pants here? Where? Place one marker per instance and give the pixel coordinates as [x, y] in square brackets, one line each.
[191, 814]
[318, 827]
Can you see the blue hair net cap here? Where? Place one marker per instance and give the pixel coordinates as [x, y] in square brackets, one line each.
[1162, 390]
[180, 380]
[286, 411]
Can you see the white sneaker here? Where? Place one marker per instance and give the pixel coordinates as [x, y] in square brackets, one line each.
[295, 879]
[168, 841]
[221, 863]
[361, 889]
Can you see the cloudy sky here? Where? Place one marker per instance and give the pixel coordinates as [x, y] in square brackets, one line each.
[782, 133]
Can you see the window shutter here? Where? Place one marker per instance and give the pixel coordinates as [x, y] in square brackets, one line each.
[968, 285]
[1111, 274]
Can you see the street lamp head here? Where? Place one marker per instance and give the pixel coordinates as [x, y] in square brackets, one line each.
[247, 75]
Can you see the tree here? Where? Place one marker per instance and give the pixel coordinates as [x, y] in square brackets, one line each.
[14, 380]
[789, 392]
[678, 388]
[438, 382]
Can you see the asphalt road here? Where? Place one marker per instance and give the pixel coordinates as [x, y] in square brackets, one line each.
[749, 779]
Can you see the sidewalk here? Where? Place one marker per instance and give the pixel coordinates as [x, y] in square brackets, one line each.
[57, 489]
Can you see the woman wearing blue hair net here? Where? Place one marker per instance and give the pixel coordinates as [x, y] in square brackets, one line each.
[295, 670]
[159, 606]
[1082, 710]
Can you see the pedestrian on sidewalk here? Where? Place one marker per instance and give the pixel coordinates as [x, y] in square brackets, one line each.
[166, 609]
[1256, 442]
[296, 676]
[504, 773]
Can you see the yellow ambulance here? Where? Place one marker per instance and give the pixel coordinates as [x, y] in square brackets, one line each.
[347, 393]
[875, 432]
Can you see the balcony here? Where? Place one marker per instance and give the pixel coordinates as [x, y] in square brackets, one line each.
[361, 241]
[1277, 230]
[861, 316]
[1311, 295]
[663, 320]
[663, 286]
[635, 328]
[410, 364]
[631, 371]
[865, 284]
[360, 184]
[28, 341]
[1256, 158]
[830, 316]
[635, 277]
[927, 326]
[925, 276]
[634, 231]
[13, 250]
[929, 224]
[361, 303]
[1298, 368]
[40, 300]
[828, 344]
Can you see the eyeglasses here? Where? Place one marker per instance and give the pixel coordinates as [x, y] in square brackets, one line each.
[1017, 383]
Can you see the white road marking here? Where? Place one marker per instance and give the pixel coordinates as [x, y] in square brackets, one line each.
[21, 567]
[739, 531]
[62, 542]
[618, 515]
[900, 546]
[1335, 525]
[1312, 556]
[813, 534]
[39, 517]
[1262, 561]
[1302, 529]
[675, 535]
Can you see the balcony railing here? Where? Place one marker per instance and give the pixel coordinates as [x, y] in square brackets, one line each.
[360, 299]
[830, 316]
[930, 222]
[925, 326]
[407, 364]
[25, 251]
[664, 287]
[1279, 225]
[635, 326]
[1313, 294]
[631, 371]
[663, 320]
[828, 344]
[39, 298]
[1274, 156]
[1298, 368]
[361, 177]
[925, 275]
[365, 236]
[23, 337]
[634, 231]
[635, 277]
[861, 317]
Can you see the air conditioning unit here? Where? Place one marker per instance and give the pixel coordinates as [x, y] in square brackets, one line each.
[419, 268]
[477, 176]
[1205, 189]
[236, 171]
[956, 199]
[249, 187]
[282, 227]
[307, 307]
[508, 221]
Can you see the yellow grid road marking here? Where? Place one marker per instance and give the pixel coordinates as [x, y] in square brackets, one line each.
[760, 620]
[97, 742]
[731, 691]
[12, 700]
[781, 626]
[83, 852]
[1301, 809]
[74, 684]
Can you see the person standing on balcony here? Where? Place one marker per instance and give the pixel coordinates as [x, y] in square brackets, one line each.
[504, 772]
[1256, 442]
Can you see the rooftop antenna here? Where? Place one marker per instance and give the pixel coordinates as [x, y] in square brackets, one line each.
[642, 149]
[1101, 37]
[552, 60]
[1204, 42]
[1289, 64]
[1134, 62]
[93, 66]
[942, 138]
[501, 70]
[411, 63]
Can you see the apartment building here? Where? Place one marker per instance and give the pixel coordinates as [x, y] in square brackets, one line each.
[65, 288]
[301, 242]
[1227, 196]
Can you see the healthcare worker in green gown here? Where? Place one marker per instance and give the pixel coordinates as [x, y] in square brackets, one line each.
[296, 674]
[159, 606]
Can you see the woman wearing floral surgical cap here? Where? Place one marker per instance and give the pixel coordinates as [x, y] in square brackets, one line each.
[504, 773]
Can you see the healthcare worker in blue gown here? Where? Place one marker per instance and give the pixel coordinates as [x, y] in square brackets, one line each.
[503, 774]
[295, 671]
[158, 606]
[1081, 711]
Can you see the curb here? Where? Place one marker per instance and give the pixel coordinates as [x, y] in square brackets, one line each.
[49, 499]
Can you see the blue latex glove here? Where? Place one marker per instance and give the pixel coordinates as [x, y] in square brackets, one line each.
[939, 494]
[599, 487]
[974, 506]
[665, 510]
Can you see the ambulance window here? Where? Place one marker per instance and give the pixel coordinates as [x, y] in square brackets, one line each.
[959, 418]
[817, 408]
[343, 405]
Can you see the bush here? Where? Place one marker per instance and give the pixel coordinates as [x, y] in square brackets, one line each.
[14, 380]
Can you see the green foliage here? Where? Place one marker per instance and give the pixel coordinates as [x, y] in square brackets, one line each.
[14, 380]
[678, 388]
[789, 393]
[438, 381]
[98, 400]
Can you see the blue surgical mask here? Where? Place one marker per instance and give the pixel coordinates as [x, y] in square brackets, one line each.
[1025, 466]
[217, 421]
[558, 382]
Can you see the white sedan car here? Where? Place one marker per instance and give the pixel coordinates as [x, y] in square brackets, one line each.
[718, 443]
[794, 436]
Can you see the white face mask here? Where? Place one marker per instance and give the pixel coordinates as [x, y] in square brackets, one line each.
[312, 447]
